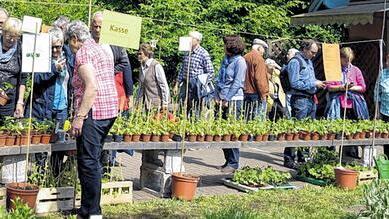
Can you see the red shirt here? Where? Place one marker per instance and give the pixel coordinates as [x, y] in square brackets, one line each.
[106, 102]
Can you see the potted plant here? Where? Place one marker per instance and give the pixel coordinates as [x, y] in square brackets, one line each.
[184, 186]
[6, 86]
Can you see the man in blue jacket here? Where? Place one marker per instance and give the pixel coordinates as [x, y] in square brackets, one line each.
[304, 85]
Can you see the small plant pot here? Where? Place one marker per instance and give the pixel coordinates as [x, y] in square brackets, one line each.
[25, 191]
[117, 138]
[45, 139]
[10, 140]
[135, 138]
[265, 137]
[345, 178]
[244, 137]
[307, 136]
[192, 138]
[356, 136]
[384, 135]
[362, 135]
[217, 138]
[377, 135]
[3, 99]
[323, 137]
[226, 138]
[155, 138]
[331, 136]
[289, 136]
[208, 138]
[2, 140]
[17, 140]
[145, 137]
[258, 138]
[165, 138]
[108, 139]
[200, 138]
[272, 137]
[338, 136]
[296, 136]
[369, 134]
[36, 139]
[184, 186]
[281, 137]
[349, 137]
[234, 138]
[24, 140]
[127, 138]
[315, 136]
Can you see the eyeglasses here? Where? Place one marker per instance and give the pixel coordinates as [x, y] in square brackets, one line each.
[56, 47]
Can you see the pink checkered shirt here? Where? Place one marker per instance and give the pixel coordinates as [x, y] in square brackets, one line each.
[106, 102]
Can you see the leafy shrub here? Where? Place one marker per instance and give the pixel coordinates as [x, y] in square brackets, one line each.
[260, 177]
[376, 197]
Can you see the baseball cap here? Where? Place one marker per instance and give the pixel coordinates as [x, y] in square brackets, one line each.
[260, 42]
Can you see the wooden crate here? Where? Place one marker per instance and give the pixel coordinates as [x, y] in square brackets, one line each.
[366, 176]
[113, 193]
[3, 196]
[55, 199]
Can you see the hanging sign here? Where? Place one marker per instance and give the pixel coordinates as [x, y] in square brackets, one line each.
[42, 53]
[331, 61]
[185, 44]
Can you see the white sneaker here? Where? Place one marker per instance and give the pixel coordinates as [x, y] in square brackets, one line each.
[96, 217]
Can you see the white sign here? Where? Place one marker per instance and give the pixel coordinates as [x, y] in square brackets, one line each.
[30, 24]
[42, 53]
[185, 44]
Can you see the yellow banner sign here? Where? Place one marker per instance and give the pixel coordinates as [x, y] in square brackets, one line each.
[331, 61]
[120, 29]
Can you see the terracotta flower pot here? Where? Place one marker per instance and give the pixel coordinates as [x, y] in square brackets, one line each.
[45, 139]
[265, 137]
[127, 138]
[226, 138]
[234, 138]
[349, 137]
[356, 136]
[200, 138]
[145, 137]
[323, 137]
[296, 136]
[184, 186]
[155, 138]
[315, 136]
[3, 99]
[10, 140]
[362, 135]
[36, 139]
[2, 140]
[24, 140]
[217, 138]
[258, 138]
[281, 137]
[136, 138]
[17, 140]
[243, 137]
[208, 138]
[331, 136]
[345, 178]
[377, 135]
[306, 136]
[192, 138]
[384, 135]
[25, 191]
[165, 137]
[369, 134]
[289, 136]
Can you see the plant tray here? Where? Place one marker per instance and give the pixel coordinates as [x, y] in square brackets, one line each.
[367, 176]
[313, 181]
[113, 193]
[55, 200]
[244, 188]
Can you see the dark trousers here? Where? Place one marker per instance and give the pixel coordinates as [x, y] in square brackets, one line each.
[232, 154]
[89, 150]
[386, 147]
[302, 107]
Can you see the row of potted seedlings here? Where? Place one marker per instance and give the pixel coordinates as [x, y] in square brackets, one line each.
[14, 132]
[143, 128]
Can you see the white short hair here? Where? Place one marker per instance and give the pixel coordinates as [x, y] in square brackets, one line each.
[78, 29]
[197, 35]
[56, 34]
[293, 50]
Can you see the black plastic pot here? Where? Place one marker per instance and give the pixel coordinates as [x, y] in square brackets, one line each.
[338, 136]
[272, 138]
[176, 138]
[117, 138]
[108, 138]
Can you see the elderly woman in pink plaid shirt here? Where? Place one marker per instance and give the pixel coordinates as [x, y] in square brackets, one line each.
[96, 107]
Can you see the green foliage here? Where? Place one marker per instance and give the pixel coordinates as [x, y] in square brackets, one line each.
[258, 177]
[21, 211]
[235, 212]
[376, 198]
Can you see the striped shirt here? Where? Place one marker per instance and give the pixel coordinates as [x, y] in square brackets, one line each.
[105, 105]
[200, 63]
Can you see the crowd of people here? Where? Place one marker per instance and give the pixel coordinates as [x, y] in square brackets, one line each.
[93, 82]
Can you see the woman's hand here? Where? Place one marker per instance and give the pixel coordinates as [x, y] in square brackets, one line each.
[19, 111]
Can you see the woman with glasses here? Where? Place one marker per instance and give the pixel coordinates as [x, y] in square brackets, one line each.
[12, 81]
[52, 92]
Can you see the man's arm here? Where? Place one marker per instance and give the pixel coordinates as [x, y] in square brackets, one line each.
[240, 75]
[208, 66]
[162, 83]
[261, 79]
[87, 75]
[294, 77]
